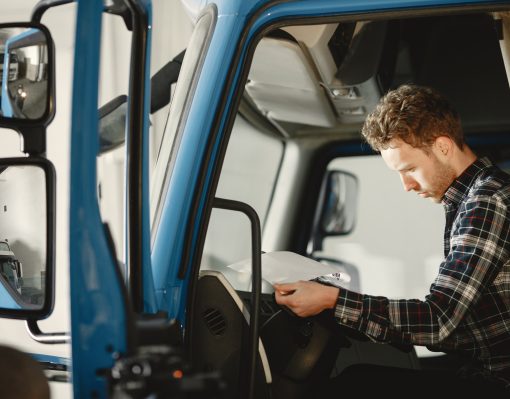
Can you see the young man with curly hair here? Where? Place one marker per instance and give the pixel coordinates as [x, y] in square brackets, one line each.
[467, 310]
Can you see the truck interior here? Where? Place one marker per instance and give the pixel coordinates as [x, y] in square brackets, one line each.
[308, 89]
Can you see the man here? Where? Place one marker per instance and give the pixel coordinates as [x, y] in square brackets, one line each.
[21, 377]
[467, 310]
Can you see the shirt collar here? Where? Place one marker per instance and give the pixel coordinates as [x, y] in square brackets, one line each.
[461, 185]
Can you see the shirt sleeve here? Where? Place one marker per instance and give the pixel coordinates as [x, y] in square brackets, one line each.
[477, 253]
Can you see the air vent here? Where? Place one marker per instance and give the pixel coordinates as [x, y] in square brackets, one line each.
[215, 321]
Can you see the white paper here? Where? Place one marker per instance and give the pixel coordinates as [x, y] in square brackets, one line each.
[286, 267]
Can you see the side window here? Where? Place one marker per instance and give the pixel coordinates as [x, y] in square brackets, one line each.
[396, 245]
[115, 69]
[249, 174]
[171, 34]
[114, 75]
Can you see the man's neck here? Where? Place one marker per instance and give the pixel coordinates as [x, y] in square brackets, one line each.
[463, 160]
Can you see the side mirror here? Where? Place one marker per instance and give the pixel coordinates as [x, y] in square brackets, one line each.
[112, 115]
[27, 220]
[112, 124]
[336, 210]
[26, 74]
[340, 203]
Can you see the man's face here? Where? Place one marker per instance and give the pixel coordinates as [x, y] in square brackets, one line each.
[427, 173]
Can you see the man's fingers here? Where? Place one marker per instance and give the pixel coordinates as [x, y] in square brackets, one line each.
[283, 297]
[285, 289]
[280, 299]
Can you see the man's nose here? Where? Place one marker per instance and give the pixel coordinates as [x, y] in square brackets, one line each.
[408, 183]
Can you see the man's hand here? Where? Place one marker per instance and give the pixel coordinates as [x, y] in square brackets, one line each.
[306, 298]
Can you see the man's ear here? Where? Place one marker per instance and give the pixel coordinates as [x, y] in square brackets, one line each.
[444, 145]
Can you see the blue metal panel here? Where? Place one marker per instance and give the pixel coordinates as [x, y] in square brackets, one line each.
[232, 18]
[6, 300]
[98, 314]
[167, 250]
[6, 103]
[40, 357]
[148, 280]
[318, 8]
[285, 8]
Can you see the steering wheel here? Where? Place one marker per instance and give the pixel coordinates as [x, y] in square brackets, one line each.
[301, 351]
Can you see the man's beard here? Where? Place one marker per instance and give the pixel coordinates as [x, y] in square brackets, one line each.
[444, 176]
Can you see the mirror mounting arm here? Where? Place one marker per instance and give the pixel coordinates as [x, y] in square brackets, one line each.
[46, 338]
[116, 7]
[42, 6]
[34, 139]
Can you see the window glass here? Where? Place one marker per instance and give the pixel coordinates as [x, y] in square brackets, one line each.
[114, 82]
[397, 241]
[248, 175]
[170, 34]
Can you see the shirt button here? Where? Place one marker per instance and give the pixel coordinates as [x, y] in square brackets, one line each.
[344, 320]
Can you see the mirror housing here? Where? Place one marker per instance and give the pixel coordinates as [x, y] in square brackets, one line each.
[27, 77]
[336, 208]
[112, 124]
[340, 202]
[112, 115]
[27, 257]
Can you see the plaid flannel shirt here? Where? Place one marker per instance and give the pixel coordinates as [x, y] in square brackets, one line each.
[468, 307]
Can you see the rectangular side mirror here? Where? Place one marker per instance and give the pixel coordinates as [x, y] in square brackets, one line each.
[26, 75]
[338, 215]
[27, 229]
[336, 208]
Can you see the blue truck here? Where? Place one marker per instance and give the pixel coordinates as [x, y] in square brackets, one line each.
[235, 162]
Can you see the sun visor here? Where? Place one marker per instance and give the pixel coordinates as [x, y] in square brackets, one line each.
[362, 59]
[285, 87]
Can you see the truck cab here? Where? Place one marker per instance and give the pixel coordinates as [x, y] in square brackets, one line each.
[182, 178]
[13, 64]
[10, 268]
